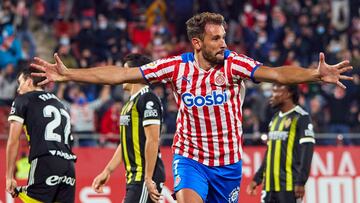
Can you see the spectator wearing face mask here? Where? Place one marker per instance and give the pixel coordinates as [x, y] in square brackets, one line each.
[10, 47]
[83, 113]
[103, 37]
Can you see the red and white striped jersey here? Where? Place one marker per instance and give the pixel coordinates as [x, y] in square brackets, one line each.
[209, 121]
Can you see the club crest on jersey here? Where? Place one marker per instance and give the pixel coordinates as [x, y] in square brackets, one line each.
[219, 79]
[213, 99]
[287, 122]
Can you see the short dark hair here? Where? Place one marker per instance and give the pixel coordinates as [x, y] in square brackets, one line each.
[195, 26]
[26, 73]
[136, 60]
[295, 93]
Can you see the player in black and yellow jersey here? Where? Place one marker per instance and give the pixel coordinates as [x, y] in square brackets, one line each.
[140, 124]
[46, 123]
[286, 165]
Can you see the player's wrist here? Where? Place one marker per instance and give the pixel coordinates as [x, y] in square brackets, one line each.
[148, 178]
[66, 75]
[316, 74]
[107, 171]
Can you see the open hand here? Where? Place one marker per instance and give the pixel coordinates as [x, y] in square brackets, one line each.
[53, 72]
[333, 73]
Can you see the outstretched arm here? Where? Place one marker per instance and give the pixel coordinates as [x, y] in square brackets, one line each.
[294, 75]
[58, 72]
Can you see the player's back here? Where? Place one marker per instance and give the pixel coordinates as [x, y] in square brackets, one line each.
[46, 124]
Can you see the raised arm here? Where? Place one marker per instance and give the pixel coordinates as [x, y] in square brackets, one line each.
[111, 75]
[294, 75]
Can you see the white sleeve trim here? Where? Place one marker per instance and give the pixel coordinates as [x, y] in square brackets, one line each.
[307, 139]
[151, 122]
[16, 118]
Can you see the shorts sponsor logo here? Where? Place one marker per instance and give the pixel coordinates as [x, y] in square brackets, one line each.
[177, 181]
[234, 195]
[55, 180]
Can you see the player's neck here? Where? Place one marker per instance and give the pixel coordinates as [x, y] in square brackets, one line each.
[33, 89]
[287, 106]
[202, 62]
[136, 88]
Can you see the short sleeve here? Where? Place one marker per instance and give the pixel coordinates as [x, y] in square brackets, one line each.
[150, 109]
[244, 67]
[161, 70]
[18, 109]
[306, 130]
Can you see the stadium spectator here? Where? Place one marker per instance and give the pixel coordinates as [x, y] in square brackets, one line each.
[338, 103]
[8, 85]
[22, 18]
[83, 114]
[10, 47]
[109, 125]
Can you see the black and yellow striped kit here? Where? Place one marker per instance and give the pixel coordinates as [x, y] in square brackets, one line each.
[287, 132]
[143, 108]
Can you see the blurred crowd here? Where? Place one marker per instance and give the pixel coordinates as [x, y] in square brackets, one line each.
[100, 32]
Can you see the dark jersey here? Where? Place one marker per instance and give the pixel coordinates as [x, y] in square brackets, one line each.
[143, 108]
[46, 124]
[287, 160]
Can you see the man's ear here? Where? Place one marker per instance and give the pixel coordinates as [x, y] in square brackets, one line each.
[197, 43]
[29, 82]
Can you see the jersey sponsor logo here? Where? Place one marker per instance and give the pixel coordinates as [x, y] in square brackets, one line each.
[55, 180]
[212, 99]
[150, 113]
[278, 135]
[310, 130]
[124, 120]
[234, 195]
[62, 154]
[12, 111]
[149, 105]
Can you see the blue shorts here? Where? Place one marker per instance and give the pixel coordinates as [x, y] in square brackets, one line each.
[213, 184]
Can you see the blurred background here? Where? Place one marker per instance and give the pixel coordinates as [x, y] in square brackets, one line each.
[89, 33]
